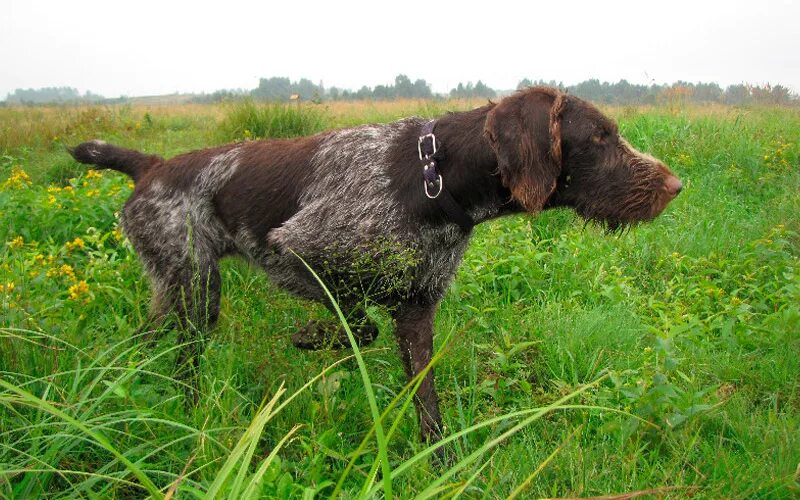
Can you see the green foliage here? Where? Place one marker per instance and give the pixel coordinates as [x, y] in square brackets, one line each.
[248, 120]
[624, 92]
[370, 272]
[470, 91]
[51, 95]
[570, 362]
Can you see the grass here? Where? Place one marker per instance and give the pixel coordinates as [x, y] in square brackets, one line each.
[249, 120]
[665, 360]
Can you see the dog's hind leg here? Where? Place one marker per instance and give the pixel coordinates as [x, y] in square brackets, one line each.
[196, 292]
[154, 326]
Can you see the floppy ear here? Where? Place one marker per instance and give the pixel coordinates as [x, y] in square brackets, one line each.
[524, 131]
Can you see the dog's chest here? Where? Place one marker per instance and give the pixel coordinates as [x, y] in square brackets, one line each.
[354, 231]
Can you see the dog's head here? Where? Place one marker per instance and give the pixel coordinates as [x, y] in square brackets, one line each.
[557, 150]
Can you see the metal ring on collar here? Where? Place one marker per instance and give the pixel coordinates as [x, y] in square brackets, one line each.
[419, 145]
[441, 186]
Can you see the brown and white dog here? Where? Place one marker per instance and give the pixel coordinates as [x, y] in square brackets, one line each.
[352, 203]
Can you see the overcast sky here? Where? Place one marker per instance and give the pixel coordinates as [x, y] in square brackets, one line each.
[156, 47]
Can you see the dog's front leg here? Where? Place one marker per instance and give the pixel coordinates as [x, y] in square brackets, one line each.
[414, 330]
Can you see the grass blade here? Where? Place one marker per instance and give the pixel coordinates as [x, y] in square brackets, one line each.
[97, 438]
[383, 455]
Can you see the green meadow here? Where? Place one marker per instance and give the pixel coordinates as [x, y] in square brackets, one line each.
[662, 361]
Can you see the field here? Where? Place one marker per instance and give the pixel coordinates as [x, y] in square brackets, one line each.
[663, 361]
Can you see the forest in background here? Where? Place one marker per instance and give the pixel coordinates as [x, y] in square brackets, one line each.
[278, 89]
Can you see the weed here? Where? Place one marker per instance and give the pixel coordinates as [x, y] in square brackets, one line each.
[246, 120]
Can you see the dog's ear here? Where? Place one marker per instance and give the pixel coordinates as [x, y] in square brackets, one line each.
[524, 131]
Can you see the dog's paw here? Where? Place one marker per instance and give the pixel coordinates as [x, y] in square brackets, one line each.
[316, 335]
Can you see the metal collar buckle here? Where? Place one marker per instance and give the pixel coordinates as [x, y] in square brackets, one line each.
[441, 186]
[421, 140]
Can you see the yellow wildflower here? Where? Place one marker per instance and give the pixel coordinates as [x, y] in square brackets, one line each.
[117, 234]
[67, 270]
[17, 242]
[94, 174]
[53, 189]
[18, 179]
[76, 243]
[78, 289]
[93, 193]
[39, 259]
[69, 189]
[9, 287]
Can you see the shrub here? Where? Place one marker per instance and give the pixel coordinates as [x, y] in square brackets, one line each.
[248, 120]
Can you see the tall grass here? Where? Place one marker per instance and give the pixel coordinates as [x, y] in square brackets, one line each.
[248, 119]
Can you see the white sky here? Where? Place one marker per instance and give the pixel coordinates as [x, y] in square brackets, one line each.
[155, 47]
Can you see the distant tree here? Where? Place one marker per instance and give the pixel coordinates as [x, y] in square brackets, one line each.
[469, 90]
[707, 92]
[363, 93]
[483, 90]
[781, 95]
[619, 93]
[421, 89]
[736, 94]
[678, 93]
[281, 89]
[524, 83]
[383, 92]
[220, 96]
[272, 89]
[458, 91]
[51, 95]
[403, 86]
[591, 90]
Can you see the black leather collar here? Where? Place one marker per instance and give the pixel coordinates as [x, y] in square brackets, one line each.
[433, 183]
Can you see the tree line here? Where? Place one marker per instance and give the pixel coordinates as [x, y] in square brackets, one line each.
[284, 89]
[51, 95]
[621, 92]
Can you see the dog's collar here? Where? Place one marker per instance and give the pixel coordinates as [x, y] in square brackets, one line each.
[432, 182]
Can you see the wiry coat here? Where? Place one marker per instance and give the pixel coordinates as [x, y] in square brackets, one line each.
[351, 201]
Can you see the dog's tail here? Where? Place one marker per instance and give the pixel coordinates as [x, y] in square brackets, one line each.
[103, 155]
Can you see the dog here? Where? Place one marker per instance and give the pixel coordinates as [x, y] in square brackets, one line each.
[380, 211]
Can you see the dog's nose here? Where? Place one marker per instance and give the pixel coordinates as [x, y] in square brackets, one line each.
[673, 185]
